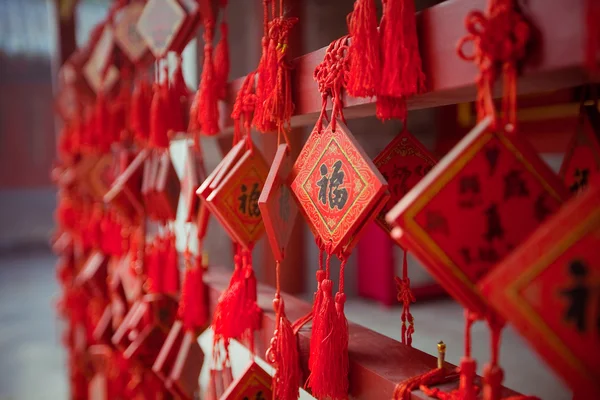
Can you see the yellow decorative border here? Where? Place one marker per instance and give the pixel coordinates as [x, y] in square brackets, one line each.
[522, 280]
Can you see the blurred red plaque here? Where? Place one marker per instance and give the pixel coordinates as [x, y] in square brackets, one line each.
[549, 290]
[484, 198]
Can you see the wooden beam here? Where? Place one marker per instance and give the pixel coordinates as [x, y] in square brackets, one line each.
[556, 60]
[377, 362]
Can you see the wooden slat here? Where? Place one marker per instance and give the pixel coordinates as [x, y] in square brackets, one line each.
[555, 61]
[377, 362]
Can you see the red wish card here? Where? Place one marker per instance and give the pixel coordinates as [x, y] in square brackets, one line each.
[183, 380]
[167, 188]
[486, 196]
[126, 33]
[193, 173]
[160, 24]
[549, 289]
[101, 177]
[402, 163]
[253, 384]
[211, 182]
[337, 187]
[127, 186]
[235, 200]
[276, 202]
[582, 158]
[99, 71]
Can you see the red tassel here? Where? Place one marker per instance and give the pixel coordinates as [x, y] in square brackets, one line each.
[402, 76]
[222, 62]
[171, 281]
[152, 264]
[229, 303]
[193, 307]
[286, 380]
[316, 307]
[365, 62]
[324, 378]
[208, 112]
[158, 123]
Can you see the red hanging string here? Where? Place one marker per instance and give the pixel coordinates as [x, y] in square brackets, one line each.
[406, 297]
[178, 95]
[222, 55]
[364, 71]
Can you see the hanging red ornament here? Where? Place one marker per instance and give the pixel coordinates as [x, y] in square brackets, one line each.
[278, 211]
[338, 192]
[253, 383]
[582, 158]
[544, 289]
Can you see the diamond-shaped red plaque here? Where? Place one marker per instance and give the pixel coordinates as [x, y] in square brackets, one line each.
[486, 196]
[167, 188]
[402, 163]
[582, 158]
[127, 186]
[99, 74]
[276, 202]
[254, 383]
[337, 186]
[235, 201]
[549, 290]
[193, 174]
[126, 32]
[160, 24]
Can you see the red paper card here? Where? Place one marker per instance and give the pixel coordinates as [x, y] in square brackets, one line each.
[100, 75]
[160, 25]
[235, 201]
[402, 163]
[215, 176]
[548, 288]
[128, 184]
[126, 33]
[193, 173]
[102, 176]
[276, 203]
[183, 380]
[254, 384]
[477, 204]
[167, 188]
[582, 159]
[92, 275]
[337, 186]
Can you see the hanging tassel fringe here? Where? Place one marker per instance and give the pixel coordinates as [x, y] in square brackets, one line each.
[364, 54]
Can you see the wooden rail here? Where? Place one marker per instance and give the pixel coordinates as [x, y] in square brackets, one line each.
[377, 362]
[555, 60]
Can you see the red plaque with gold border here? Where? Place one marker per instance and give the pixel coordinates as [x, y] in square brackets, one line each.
[98, 71]
[160, 24]
[127, 187]
[126, 32]
[235, 201]
[582, 158]
[402, 163]
[548, 288]
[183, 379]
[253, 384]
[211, 182]
[276, 202]
[337, 186]
[486, 196]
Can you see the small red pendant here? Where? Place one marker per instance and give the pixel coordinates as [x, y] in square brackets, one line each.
[254, 383]
[276, 203]
[582, 158]
[548, 290]
[337, 186]
[235, 200]
[402, 163]
[486, 196]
